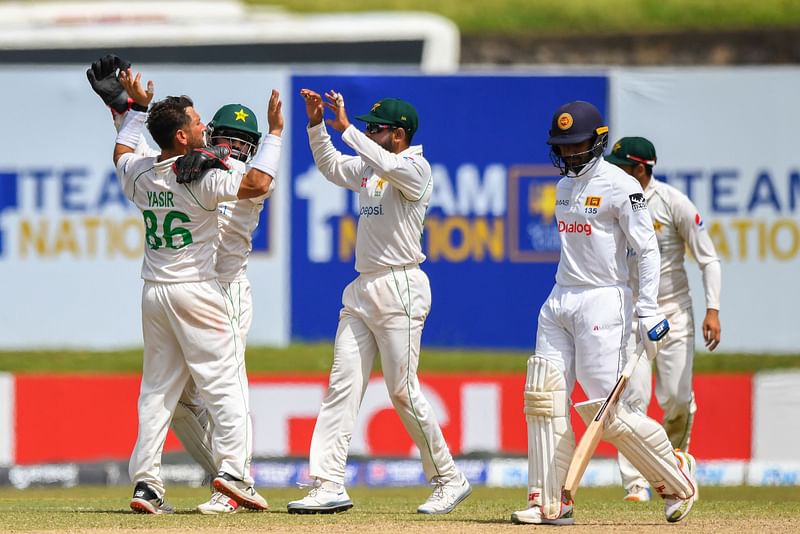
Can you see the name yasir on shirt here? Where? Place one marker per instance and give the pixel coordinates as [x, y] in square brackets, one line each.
[160, 199]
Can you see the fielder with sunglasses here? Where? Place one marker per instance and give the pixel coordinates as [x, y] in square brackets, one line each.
[385, 307]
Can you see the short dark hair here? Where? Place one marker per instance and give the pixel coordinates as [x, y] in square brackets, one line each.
[166, 117]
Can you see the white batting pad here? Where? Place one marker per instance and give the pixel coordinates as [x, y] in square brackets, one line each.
[551, 441]
[191, 429]
[644, 442]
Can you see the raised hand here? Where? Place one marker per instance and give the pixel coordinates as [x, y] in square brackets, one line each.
[314, 108]
[274, 113]
[102, 75]
[335, 103]
[132, 84]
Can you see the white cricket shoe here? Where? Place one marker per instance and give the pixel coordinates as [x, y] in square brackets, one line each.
[239, 491]
[325, 497]
[637, 493]
[446, 495]
[218, 504]
[676, 509]
[533, 516]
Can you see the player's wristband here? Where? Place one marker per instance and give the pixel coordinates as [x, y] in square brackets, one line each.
[131, 130]
[268, 156]
[138, 107]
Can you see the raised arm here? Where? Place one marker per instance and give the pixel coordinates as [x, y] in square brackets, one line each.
[344, 171]
[129, 134]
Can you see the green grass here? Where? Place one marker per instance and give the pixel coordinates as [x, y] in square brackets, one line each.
[316, 357]
[557, 17]
[391, 510]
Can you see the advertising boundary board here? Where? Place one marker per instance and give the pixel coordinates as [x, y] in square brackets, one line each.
[477, 132]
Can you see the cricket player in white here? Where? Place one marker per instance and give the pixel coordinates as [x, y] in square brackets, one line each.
[235, 126]
[188, 324]
[585, 323]
[384, 309]
[678, 225]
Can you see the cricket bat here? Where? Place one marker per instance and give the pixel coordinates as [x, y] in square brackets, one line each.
[588, 443]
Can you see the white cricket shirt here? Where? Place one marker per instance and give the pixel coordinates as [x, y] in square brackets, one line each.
[180, 220]
[678, 225]
[237, 221]
[598, 214]
[393, 191]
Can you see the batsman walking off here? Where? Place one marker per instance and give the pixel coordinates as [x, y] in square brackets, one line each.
[678, 226]
[384, 308]
[584, 325]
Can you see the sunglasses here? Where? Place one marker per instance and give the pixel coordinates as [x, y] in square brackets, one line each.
[373, 128]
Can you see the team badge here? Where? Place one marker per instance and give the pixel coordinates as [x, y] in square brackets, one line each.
[565, 121]
[593, 201]
[241, 115]
[375, 106]
[638, 202]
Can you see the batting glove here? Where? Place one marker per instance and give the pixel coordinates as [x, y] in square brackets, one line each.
[651, 331]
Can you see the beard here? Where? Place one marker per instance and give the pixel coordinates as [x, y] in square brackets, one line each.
[386, 145]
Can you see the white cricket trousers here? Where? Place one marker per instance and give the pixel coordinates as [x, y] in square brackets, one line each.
[584, 332]
[190, 422]
[189, 332]
[673, 387]
[383, 313]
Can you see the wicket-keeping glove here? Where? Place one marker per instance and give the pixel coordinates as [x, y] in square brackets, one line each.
[651, 331]
[103, 78]
[194, 165]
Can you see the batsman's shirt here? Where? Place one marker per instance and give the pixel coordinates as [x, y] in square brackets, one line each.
[180, 220]
[598, 214]
[393, 192]
[678, 225]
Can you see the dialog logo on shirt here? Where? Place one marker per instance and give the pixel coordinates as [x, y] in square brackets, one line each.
[574, 228]
[638, 202]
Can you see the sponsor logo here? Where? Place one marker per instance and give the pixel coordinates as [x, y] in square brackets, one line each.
[575, 228]
[698, 221]
[367, 211]
[562, 202]
[638, 202]
[565, 121]
[593, 201]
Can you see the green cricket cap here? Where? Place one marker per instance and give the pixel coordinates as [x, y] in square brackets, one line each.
[394, 112]
[632, 151]
[236, 117]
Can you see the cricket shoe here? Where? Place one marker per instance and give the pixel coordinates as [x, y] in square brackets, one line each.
[147, 501]
[637, 493]
[533, 514]
[238, 490]
[325, 497]
[676, 509]
[218, 504]
[446, 495]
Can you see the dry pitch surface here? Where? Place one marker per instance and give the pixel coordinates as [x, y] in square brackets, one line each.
[103, 509]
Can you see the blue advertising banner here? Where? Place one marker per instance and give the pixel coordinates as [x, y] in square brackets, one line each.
[490, 241]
